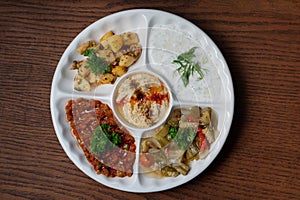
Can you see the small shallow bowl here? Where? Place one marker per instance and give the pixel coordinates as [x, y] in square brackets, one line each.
[135, 130]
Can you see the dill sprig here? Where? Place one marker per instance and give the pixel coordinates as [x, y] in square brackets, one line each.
[187, 66]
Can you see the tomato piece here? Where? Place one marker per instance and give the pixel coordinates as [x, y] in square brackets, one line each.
[191, 118]
[146, 160]
[203, 144]
[200, 134]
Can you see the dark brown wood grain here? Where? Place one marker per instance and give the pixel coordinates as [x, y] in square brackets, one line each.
[260, 41]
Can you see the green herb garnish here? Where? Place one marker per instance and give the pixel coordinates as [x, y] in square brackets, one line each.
[102, 140]
[105, 127]
[115, 138]
[107, 70]
[96, 64]
[187, 66]
[185, 137]
[88, 52]
[172, 132]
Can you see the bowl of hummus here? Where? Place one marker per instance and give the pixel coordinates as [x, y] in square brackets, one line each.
[142, 100]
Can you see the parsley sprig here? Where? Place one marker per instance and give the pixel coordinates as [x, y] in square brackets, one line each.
[95, 63]
[183, 137]
[187, 66]
[102, 140]
[172, 132]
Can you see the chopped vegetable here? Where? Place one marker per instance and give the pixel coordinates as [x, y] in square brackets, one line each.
[146, 160]
[181, 140]
[185, 137]
[172, 132]
[169, 171]
[203, 144]
[187, 66]
[103, 141]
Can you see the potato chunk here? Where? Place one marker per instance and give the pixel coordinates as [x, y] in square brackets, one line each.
[103, 39]
[107, 54]
[81, 84]
[82, 69]
[130, 38]
[119, 70]
[106, 35]
[126, 60]
[84, 46]
[115, 43]
[106, 79]
[91, 78]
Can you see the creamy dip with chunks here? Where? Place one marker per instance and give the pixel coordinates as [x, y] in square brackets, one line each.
[142, 99]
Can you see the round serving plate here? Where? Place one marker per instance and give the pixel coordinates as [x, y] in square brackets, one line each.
[163, 36]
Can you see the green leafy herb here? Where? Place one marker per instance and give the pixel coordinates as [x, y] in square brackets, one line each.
[187, 66]
[105, 127]
[98, 141]
[88, 52]
[185, 137]
[108, 69]
[96, 64]
[102, 140]
[115, 138]
[172, 132]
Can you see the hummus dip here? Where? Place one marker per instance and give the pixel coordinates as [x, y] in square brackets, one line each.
[142, 99]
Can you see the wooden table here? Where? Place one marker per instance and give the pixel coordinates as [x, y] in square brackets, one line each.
[261, 43]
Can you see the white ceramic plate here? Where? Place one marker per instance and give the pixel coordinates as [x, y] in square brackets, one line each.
[163, 37]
